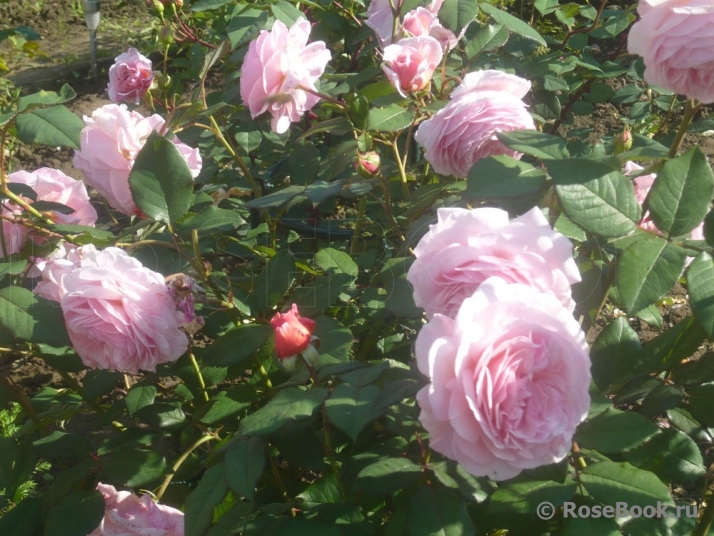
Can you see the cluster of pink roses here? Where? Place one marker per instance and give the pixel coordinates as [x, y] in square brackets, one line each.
[508, 363]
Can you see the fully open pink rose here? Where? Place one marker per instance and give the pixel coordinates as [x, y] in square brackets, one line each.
[109, 143]
[49, 185]
[410, 63]
[509, 380]
[676, 41]
[466, 247]
[464, 131]
[130, 77]
[293, 333]
[119, 315]
[128, 515]
[278, 64]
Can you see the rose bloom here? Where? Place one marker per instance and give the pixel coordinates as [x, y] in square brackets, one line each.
[130, 77]
[49, 185]
[509, 380]
[380, 18]
[119, 314]
[422, 22]
[292, 332]
[109, 143]
[464, 131]
[466, 247]
[128, 515]
[410, 63]
[277, 65]
[676, 41]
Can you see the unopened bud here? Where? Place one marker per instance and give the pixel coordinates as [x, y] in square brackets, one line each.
[623, 141]
[367, 164]
[166, 36]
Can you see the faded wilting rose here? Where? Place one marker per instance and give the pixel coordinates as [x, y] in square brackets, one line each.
[119, 315]
[422, 22]
[130, 77]
[293, 333]
[126, 514]
[464, 131]
[109, 143]
[278, 64]
[466, 247]
[410, 63]
[676, 41]
[509, 380]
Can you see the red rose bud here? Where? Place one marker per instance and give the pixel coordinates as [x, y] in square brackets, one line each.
[367, 164]
[292, 332]
[623, 141]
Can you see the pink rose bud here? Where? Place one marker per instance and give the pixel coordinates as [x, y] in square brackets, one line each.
[422, 22]
[367, 164]
[129, 515]
[109, 143]
[278, 67]
[623, 141]
[509, 380]
[293, 333]
[410, 63]
[674, 38]
[130, 77]
[119, 315]
[466, 247]
[464, 131]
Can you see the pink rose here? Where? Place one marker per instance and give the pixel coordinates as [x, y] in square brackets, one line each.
[676, 41]
[119, 315]
[410, 63]
[128, 515]
[422, 22]
[109, 143]
[49, 185]
[130, 77]
[464, 131]
[466, 247]
[381, 19]
[293, 333]
[509, 380]
[277, 66]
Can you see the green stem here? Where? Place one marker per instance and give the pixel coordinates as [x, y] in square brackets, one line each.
[197, 369]
[263, 373]
[331, 453]
[236, 157]
[324, 96]
[705, 521]
[358, 226]
[689, 111]
[182, 458]
[400, 165]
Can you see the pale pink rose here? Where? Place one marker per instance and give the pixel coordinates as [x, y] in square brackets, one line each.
[466, 247]
[109, 144]
[278, 64]
[676, 41]
[509, 380]
[464, 131]
[49, 185]
[642, 185]
[119, 315]
[410, 63]
[128, 515]
[380, 17]
[130, 77]
[422, 22]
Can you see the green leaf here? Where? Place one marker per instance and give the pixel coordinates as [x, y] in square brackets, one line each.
[286, 13]
[24, 519]
[289, 405]
[700, 284]
[275, 280]
[246, 26]
[514, 24]
[334, 261]
[335, 340]
[318, 295]
[227, 404]
[390, 118]
[487, 38]
[524, 497]
[133, 467]
[457, 14]
[503, 177]
[534, 143]
[138, 397]
[660, 399]
[161, 415]
[243, 466]
[27, 316]
[387, 475]
[669, 348]
[701, 401]
[78, 513]
[202, 501]
[647, 269]
[602, 201]
[324, 490]
[46, 98]
[590, 526]
[52, 206]
[438, 512]
[682, 192]
[207, 5]
[671, 454]
[54, 127]
[351, 408]
[62, 445]
[237, 345]
[611, 482]
[210, 220]
[615, 431]
[160, 181]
